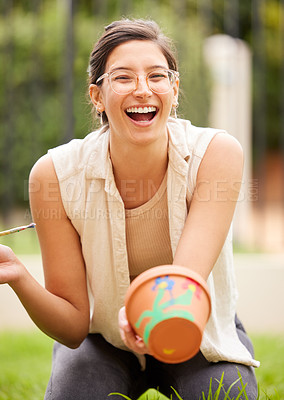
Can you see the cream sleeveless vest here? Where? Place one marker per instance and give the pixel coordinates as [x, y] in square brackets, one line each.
[95, 208]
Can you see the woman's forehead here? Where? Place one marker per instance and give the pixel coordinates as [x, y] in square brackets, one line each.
[136, 54]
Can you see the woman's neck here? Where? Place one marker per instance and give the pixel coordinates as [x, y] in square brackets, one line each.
[139, 171]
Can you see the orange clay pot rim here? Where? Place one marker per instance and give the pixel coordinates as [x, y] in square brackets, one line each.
[172, 269]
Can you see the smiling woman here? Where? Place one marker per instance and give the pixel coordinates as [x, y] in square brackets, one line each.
[138, 78]
[141, 191]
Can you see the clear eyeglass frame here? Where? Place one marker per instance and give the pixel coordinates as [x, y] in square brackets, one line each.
[173, 76]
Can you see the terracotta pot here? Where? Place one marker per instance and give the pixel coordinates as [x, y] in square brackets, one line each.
[168, 307]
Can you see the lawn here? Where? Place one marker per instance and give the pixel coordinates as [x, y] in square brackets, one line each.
[25, 363]
[269, 350]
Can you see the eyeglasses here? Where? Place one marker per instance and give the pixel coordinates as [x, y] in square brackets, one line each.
[124, 81]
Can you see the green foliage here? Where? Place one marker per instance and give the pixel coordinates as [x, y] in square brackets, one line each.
[119, 394]
[150, 394]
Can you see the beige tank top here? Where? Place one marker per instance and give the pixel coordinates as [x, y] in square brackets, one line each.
[147, 233]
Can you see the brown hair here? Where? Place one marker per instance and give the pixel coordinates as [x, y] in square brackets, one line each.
[120, 32]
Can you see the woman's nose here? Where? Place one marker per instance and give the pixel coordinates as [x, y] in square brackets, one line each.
[142, 88]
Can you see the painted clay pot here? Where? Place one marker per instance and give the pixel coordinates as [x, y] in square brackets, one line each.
[168, 307]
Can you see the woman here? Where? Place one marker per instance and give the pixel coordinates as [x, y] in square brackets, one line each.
[144, 190]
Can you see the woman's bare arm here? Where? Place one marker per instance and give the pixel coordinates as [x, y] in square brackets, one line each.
[61, 309]
[212, 207]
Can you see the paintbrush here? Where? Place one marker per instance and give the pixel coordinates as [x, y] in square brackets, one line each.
[18, 229]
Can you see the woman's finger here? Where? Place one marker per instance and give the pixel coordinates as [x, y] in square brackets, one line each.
[128, 335]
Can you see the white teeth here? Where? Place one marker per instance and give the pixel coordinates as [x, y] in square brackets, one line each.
[141, 110]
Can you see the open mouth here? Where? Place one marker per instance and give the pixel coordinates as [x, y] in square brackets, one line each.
[141, 113]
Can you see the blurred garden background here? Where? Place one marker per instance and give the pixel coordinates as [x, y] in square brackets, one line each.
[45, 47]
[231, 63]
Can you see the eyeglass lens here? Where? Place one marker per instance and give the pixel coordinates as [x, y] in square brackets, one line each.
[159, 81]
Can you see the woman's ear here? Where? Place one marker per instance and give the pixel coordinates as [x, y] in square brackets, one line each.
[175, 101]
[176, 90]
[96, 98]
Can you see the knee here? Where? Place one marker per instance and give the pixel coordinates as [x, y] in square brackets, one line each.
[235, 380]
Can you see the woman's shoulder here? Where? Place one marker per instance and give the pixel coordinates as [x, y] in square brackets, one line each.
[43, 180]
[199, 139]
[182, 130]
[225, 143]
[223, 158]
[71, 158]
[43, 169]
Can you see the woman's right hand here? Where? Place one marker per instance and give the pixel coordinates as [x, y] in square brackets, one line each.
[10, 267]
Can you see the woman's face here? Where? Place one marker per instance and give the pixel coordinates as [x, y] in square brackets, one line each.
[126, 125]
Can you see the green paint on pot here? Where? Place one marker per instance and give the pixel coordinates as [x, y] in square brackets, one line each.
[163, 311]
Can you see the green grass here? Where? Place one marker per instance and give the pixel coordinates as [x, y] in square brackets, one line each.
[25, 364]
[269, 350]
[153, 394]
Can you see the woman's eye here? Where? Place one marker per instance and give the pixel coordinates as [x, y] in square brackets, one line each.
[158, 75]
[123, 78]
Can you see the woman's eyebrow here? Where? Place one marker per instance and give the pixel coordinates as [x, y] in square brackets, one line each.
[159, 66]
[131, 69]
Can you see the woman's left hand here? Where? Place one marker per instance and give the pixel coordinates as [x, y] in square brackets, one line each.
[129, 337]
[11, 269]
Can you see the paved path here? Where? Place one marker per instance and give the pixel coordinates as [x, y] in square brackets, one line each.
[12, 313]
[260, 280]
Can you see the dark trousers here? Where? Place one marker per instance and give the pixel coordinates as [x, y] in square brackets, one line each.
[96, 369]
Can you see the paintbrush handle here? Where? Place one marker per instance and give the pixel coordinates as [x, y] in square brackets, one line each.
[17, 229]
